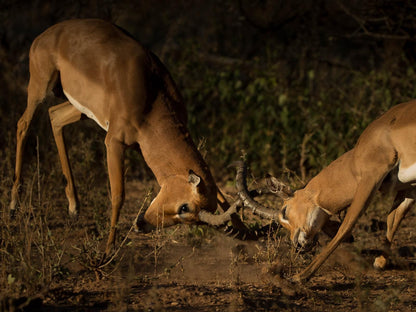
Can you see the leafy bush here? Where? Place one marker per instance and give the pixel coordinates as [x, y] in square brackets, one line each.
[276, 119]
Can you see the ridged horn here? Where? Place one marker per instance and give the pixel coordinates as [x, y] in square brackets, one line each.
[220, 219]
[245, 197]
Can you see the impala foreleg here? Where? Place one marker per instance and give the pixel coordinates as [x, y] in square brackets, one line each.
[22, 127]
[361, 198]
[115, 164]
[36, 93]
[60, 116]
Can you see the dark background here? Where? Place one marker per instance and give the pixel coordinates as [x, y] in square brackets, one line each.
[290, 83]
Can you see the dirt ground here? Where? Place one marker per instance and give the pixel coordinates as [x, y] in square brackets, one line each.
[190, 268]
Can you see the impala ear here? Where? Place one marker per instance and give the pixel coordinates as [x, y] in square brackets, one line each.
[194, 179]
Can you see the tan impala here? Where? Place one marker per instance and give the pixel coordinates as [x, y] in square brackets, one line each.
[384, 158]
[109, 77]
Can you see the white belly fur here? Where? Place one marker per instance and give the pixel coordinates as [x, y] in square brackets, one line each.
[408, 174]
[85, 111]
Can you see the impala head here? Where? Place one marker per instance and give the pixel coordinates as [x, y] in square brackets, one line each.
[299, 213]
[180, 200]
[303, 218]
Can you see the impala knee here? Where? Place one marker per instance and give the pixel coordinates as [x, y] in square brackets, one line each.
[53, 117]
[22, 126]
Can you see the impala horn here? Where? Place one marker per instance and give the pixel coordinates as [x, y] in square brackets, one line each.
[220, 219]
[275, 187]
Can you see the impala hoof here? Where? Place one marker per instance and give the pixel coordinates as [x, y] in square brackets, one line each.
[13, 209]
[380, 263]
[73, 215]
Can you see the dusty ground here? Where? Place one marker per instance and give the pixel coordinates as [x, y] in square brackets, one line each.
[200, 269]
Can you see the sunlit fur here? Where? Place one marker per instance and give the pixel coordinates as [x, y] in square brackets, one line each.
[384, 156]
[109, 77]
[164, 209]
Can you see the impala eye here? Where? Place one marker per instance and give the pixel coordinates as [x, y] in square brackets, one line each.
[184, 208]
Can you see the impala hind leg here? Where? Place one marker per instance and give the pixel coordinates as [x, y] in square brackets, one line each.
[115, 164]
[60, 116]
[36, 93]
[396, 215]
[402, 204]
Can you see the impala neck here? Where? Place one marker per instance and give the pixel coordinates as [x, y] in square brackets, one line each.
[334, 187]
[167, 146]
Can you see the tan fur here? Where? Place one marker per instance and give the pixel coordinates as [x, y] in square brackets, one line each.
[386, 147]
[126, 89]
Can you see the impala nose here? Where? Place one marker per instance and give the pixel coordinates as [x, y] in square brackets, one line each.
[141, 225]
[305, 243]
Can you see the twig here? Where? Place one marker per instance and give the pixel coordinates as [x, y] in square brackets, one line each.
[160, 246]
[303, 154]
[38, 167]
[361, 23]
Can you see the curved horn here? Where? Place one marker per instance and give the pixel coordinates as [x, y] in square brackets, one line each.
[247, 200]
[217, 220]
[246, 197]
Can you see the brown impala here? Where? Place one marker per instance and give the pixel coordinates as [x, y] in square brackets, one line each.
[384, 158]
[109, 77]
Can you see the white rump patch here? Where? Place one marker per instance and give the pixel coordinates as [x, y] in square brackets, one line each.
[86, 111]
[407, 175]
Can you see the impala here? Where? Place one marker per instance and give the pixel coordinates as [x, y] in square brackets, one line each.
[109, 77]
[384, 158]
